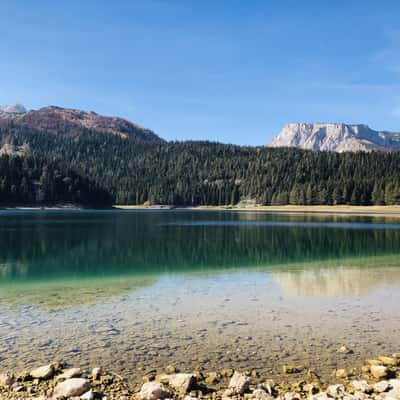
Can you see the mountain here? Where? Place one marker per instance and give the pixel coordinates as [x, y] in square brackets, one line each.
[12, 109]
[337, 137]
[131, 165]
[65, 121]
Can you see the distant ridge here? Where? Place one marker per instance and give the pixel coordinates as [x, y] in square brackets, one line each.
[58, 120]
[337, 137]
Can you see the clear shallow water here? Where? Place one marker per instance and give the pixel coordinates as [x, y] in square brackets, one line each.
[140, 290]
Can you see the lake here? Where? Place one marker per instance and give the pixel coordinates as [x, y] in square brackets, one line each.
[138, 290]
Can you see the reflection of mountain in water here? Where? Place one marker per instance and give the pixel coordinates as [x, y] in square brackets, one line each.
[336, 281]
[76, 245]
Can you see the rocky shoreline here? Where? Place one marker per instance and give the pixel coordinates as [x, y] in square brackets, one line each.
[378, 379]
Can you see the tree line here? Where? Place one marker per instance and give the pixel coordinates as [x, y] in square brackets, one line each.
[134, 171]
[36, 181]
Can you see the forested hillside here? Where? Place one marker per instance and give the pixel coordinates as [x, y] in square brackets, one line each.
[36, 181]
[133, 171]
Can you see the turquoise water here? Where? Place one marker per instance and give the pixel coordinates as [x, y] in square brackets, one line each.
[144, 289]
[55, 245]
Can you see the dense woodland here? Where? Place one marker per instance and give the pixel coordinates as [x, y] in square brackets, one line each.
[36, 181]
[106, 168]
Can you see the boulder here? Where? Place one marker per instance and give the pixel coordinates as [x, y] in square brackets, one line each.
[341, 373]
[6, 379]
[170, 369]
[319, 396]
[362, 386]
[291, 396]
[44, 372]
[88, 395]
[374, 362]
[212, 378]
[335, 390]
[356, 396]
[227, 372]
[97, 372]
[239, 383]
[393, 393]
[379, 371]
[388, 360]
[70, 373]
[260, 394]
[71, 387]
[395, 383]
[153, 391]
[382, 386]
[180, 382]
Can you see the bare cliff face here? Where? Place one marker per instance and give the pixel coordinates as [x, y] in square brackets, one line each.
[336, 137]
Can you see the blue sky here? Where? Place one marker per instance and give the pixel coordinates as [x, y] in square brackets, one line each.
[233, 71]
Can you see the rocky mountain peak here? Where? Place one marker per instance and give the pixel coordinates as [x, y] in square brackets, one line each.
[338, 137]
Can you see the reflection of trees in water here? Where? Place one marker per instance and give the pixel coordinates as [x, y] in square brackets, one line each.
[136, 243]
[335, 282]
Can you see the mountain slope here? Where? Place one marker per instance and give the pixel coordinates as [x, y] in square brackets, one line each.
[64, 121]
[336, 137]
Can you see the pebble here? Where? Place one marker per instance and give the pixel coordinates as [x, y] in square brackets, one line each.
[369, 383]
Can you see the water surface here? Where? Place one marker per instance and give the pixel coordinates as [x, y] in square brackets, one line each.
[139, 290]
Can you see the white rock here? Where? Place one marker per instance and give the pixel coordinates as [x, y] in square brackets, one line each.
[70, 373]
[6, 379]
[291, 396]
[97, 372]
[394, 393]
[88, 395]
[44, 372]
[335, 390]
[261, 394]
[71, 387]
[319, 396]
[153, 391]
[17, 387]
[382, 386]
[239, 383]
[394, 383]
[181, 382]
[379, 371]
[360, 396]
[362, 386]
